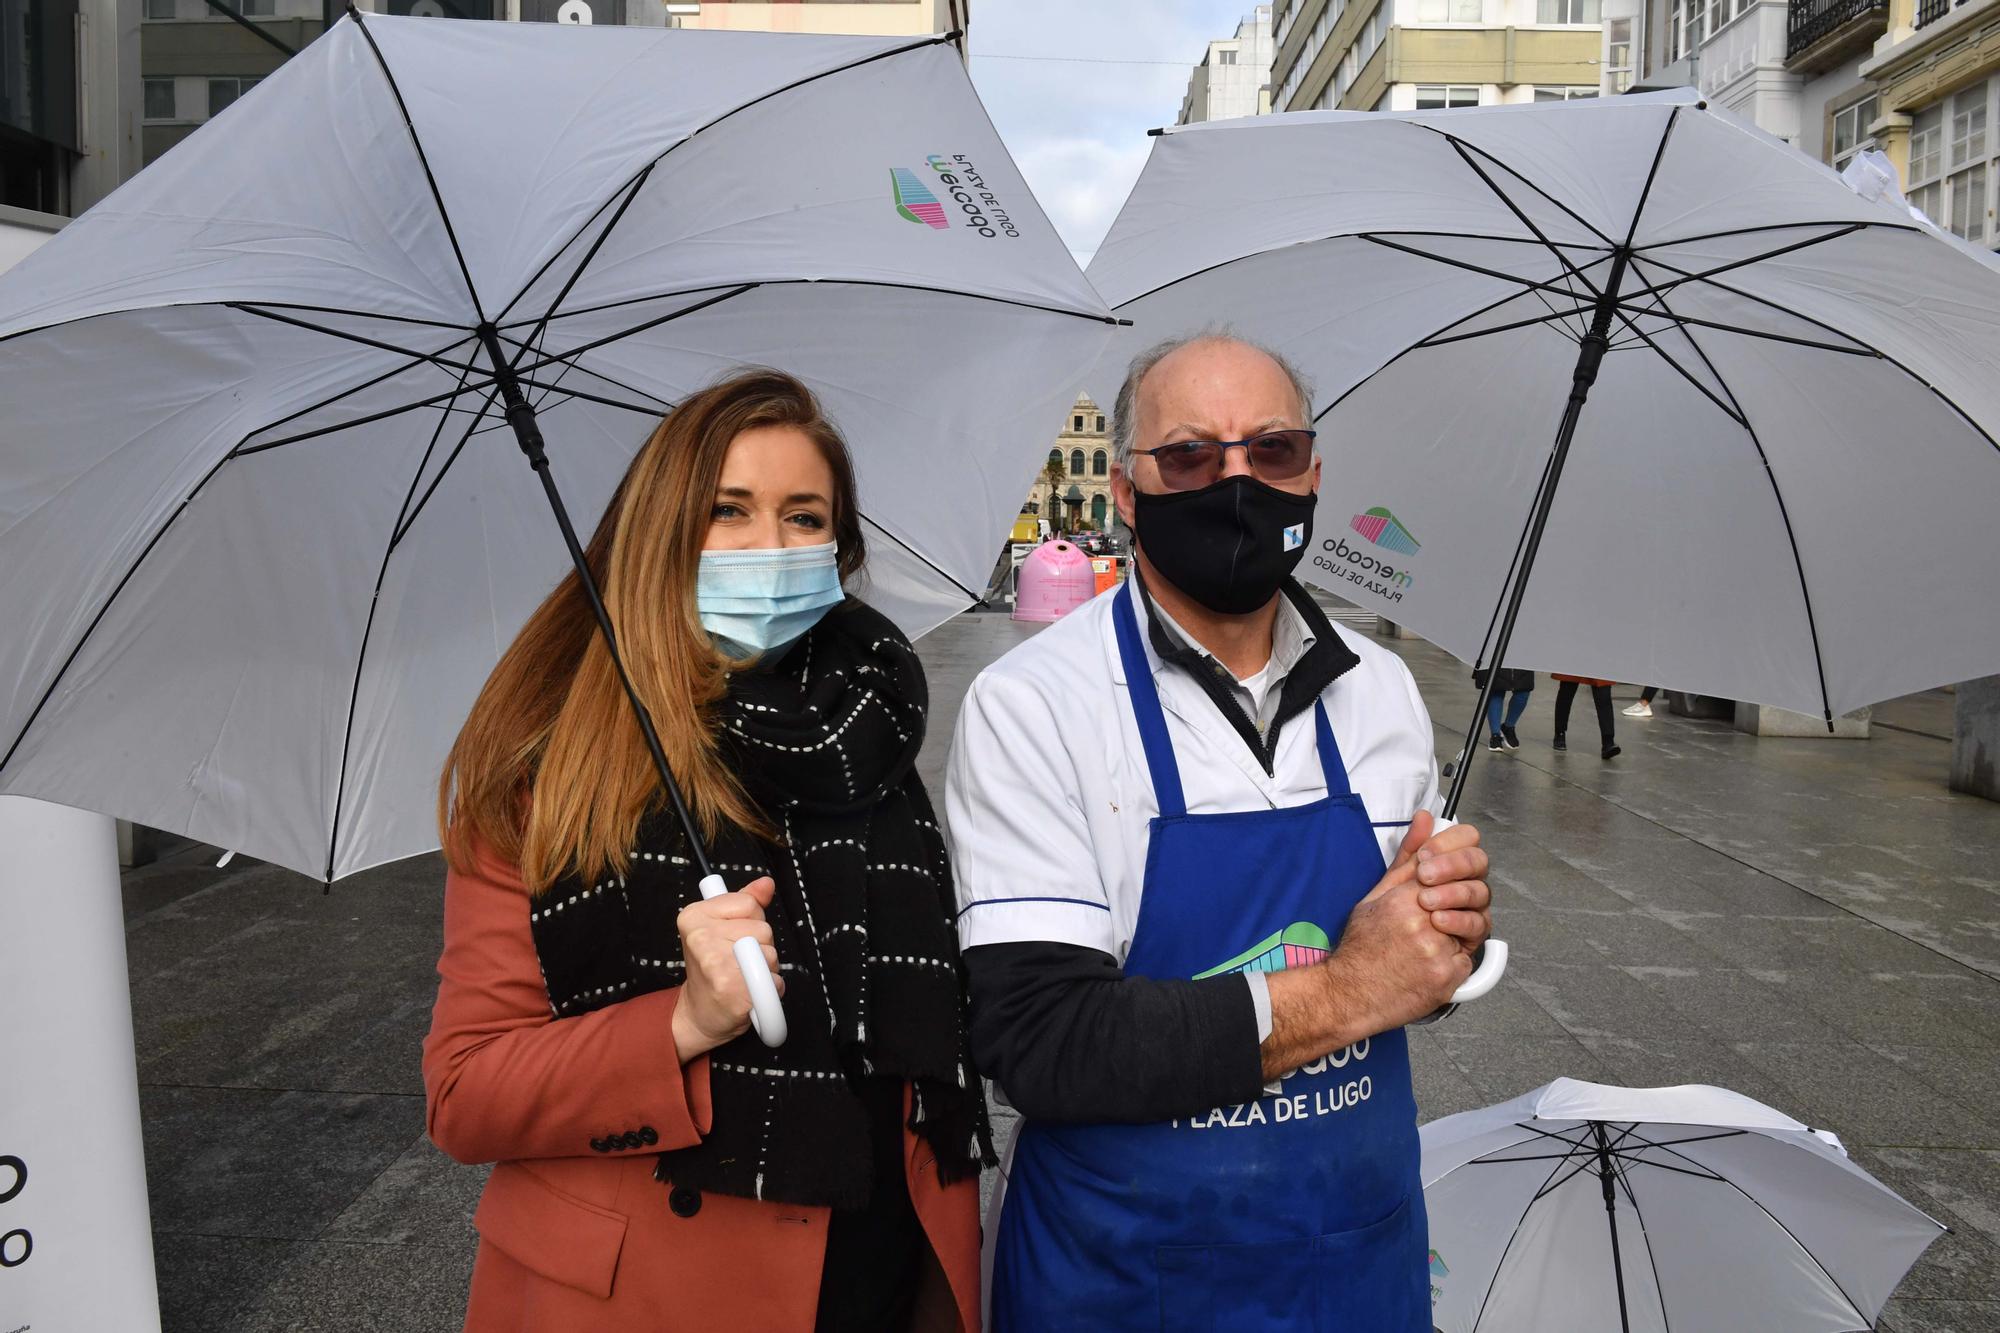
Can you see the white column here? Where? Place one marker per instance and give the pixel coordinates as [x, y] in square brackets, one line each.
[76, 1239]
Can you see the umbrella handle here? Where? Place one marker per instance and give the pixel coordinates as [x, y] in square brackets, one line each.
[767, 1013]
[1486, 975]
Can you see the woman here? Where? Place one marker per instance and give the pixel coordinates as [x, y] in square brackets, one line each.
[657, 1168]
[1600, 695]
[1500, 729]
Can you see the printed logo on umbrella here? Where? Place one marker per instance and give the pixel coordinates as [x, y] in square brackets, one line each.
[914, 202]
[1300, 944]
[1383, 528]
[1438, 1270]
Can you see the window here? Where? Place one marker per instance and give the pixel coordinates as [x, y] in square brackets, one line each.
[1055, 458]
[1850, 131]
[1567, 11]
[223, 92]
[1435, 96]
[1954, 161]
[1684, 31]
[1618, 54]
[1448, 11]
[1097, 508]
[1226, 57]
[1563, 92]
[1100, 421]
[159, 9]
[1076, 462]
[1100, 464]
[1076, 422]
[159, 99]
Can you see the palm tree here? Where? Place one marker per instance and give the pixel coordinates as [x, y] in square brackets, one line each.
[1055, 476]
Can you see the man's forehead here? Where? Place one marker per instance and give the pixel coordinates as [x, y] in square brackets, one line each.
[1196, 385]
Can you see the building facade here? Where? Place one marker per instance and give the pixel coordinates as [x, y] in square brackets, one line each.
[1234, 76]
[1408, 55]
[69, 127]
[1073, 490]
[883, 18]
[1935, 76]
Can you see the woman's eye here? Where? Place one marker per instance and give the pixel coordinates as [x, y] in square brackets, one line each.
[724, 511]
[813, 521]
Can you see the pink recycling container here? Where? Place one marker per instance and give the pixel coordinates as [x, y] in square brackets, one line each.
[1056, 578]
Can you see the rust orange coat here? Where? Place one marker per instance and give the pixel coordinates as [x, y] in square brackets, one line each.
[572, 1240]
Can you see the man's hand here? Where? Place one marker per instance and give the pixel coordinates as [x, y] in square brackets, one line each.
[1407, 946]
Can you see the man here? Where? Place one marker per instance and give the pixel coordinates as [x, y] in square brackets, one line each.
[1165, 811]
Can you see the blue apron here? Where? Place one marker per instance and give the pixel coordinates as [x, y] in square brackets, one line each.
[1302, 1210]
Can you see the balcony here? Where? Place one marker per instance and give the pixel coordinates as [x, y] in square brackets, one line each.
[1930, 11]
[1821, 33]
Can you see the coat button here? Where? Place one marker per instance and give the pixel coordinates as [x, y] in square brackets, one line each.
[648, 1135]
[632, 1139]
[684, 1201]
[597, 1145]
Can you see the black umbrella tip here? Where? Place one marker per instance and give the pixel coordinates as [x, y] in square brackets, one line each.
[1156, 132]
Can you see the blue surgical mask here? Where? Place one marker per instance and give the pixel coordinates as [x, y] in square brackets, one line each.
[754, 601]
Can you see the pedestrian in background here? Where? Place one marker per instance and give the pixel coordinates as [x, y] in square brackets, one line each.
[1517, 683]
[1600, 694]
[1644, 708]
[658, 1169]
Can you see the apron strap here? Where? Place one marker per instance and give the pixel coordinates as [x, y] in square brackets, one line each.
[1146, 708]
[1330, 762]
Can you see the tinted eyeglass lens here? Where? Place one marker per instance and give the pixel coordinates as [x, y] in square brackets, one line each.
[1281, 455]
[1189, 465]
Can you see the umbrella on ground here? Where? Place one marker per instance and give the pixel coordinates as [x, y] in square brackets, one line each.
[1578, 1207]
[264, 512]
[1623, 388]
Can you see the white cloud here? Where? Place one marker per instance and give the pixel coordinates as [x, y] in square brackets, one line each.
[1081, 183]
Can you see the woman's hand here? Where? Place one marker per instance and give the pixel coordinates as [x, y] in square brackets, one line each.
[714, 1004]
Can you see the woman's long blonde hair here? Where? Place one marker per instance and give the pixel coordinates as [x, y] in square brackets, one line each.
[551, 771]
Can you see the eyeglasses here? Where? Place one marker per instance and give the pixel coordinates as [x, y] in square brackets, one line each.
[1188, 465]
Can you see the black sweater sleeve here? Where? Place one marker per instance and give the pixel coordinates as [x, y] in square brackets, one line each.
[1069, 1037]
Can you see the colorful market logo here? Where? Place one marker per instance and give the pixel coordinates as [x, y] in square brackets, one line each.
[1438, 1270]
[1383, 528]
[1300, 944]
[955, 188]
[914, 202]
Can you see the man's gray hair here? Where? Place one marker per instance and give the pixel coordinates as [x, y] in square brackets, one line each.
[1125, 411]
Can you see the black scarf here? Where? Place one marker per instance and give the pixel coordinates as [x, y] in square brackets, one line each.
[825, 741]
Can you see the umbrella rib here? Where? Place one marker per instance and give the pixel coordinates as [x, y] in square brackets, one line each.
[1376, 238]
[1734, 413]
[1789, 1235]
[689, 137]
[1554, 317]
[1705, 274]
[637, 329]
[567, 359]
[1822, 324]
[344, 335]
[1784, 512]
[877, 525]
[423, 160]
[342, 310]
[1512, 1236]
[396, 538]
[368, 630]
[1572, 214]
[349, 393]
[244, 451]
[1847, 224]
[1514, 208]
[1768, 336]
[631, 192]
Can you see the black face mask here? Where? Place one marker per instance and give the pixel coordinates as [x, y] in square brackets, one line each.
[1229, 546]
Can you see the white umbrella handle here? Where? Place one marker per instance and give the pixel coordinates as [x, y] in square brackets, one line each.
[767, 1014]
[1486, 976]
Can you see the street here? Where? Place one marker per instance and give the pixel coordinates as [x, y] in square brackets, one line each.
[1813, 923]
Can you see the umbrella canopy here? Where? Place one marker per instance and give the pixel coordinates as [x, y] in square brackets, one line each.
[265, 524]
[1578, 1208]
[1780, 486]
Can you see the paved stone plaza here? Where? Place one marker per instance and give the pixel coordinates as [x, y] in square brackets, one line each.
[1813, 923]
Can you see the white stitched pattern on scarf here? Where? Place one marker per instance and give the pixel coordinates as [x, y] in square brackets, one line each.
[812, 930]
[592, 994]
[898, 865]
[854, 926]
[911, 959]
[831, 737]
[759, 1072]
[572, 900]
[658, 856]
[855, 843]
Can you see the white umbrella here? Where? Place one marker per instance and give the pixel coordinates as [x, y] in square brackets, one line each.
[1578, 1208]
[1781, 486]
[264, 524]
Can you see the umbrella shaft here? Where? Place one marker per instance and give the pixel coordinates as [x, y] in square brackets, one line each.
[528, 434]
[1589, 357]
[1605, 1173]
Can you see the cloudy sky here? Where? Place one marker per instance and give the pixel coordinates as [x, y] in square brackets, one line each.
[1074, 118]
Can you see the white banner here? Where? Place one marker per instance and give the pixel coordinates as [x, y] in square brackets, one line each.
[76, 1240]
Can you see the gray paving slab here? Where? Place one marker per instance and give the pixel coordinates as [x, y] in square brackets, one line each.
[1815, 924]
